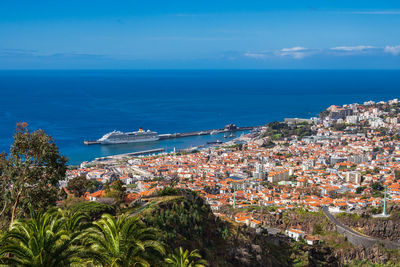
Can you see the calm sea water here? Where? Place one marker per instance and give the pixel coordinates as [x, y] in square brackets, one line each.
[76, 105]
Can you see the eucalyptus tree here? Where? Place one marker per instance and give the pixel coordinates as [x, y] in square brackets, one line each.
[184, 258]
[41, 240]
[30, 173]
[79, 185]
[122, 241]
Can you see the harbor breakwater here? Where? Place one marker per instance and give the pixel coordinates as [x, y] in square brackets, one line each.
[226, 129]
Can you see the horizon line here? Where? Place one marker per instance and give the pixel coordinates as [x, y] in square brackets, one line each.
[205, 69]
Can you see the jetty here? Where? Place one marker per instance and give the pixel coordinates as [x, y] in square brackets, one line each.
[227, 128]
[131, 154]
[87, 142]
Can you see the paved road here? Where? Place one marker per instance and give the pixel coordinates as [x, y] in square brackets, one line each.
[273, 231]
[337, 223]
[356, 238]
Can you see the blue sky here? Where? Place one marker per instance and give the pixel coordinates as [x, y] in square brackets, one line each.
[221, 34]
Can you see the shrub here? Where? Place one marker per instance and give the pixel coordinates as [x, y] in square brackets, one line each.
[168, 191]
[93, 209]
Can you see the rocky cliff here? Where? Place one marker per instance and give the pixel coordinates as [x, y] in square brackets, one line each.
[388, 228]
[336, 251]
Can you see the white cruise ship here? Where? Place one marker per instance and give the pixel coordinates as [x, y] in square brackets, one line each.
[117, 137]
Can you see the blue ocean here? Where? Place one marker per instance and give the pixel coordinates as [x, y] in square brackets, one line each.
[75, 105]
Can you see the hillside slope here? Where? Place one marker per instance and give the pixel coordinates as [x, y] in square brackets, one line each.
[186, 220]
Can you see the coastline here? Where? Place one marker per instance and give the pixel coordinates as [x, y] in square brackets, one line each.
[72, 106]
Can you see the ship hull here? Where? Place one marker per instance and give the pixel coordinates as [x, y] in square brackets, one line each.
[115, 142]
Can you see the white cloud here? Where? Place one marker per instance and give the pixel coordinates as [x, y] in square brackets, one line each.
[394, 50]
[256, 55]
[293, 49]
[353, 48]
[297, 52]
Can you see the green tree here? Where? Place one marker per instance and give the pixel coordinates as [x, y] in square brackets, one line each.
[118, 191]
[40, 241]
[29, 175]
[122, 241]
[185, 259]
[94, 186]
[377, 186]
[397, 174]
[360, 189]
[78, 185]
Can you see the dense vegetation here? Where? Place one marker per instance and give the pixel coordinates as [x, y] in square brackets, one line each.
[185, 220]
[35, 233]
[64, 238]
[93, 210]
[279, 130]
[164, 231]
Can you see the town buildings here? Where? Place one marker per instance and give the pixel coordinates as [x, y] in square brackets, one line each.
[353, 148]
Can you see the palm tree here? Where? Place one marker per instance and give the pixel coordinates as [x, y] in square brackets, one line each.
[185, 259]
[122, 241]
[74, 222]
[40, 241]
